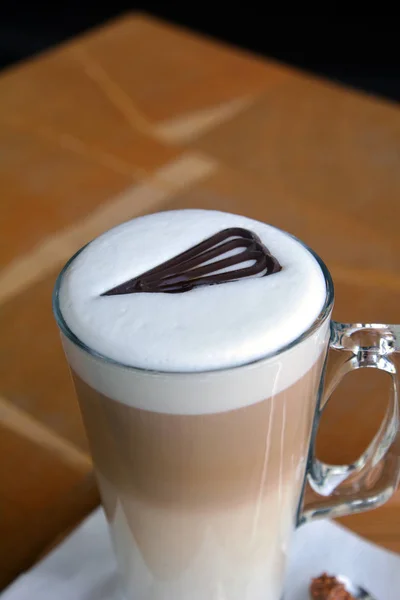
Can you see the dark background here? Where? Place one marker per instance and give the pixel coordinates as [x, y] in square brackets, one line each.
[360, 50]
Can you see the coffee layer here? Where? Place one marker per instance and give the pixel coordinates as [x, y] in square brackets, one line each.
[202, 505]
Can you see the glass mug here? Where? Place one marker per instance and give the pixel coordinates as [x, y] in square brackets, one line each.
[202, 503]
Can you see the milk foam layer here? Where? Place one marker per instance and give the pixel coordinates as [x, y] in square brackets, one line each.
[207, 328]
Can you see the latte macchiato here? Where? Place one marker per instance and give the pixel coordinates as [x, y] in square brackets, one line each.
[198, 394]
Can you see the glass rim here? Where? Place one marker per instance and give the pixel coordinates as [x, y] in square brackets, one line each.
[320, 319]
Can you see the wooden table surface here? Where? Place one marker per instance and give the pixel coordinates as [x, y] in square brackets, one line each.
[139, 116]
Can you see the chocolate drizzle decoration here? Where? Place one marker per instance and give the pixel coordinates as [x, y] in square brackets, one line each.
[205, 264]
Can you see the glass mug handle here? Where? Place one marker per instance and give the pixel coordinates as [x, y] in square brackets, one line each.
[368, 482]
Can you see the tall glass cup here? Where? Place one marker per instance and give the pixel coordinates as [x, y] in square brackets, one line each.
[202, 475]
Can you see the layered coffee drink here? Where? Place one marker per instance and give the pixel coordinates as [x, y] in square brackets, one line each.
[196, 349]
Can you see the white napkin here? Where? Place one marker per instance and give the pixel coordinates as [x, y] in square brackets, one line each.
[83, 566]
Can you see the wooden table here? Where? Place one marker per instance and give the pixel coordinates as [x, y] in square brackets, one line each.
[140, 116]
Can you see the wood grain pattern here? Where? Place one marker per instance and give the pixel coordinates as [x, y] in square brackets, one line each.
[46, 486]
[139, 116]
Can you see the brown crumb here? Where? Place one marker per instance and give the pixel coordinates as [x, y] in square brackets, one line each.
[326, 587]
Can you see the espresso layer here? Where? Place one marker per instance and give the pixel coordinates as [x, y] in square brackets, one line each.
[198, 459]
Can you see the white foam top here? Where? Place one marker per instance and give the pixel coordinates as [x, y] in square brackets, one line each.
[207, 328]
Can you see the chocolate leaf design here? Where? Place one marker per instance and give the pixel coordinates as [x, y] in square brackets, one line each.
[206, 264]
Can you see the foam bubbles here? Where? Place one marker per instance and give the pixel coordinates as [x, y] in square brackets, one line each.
[204, 329]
